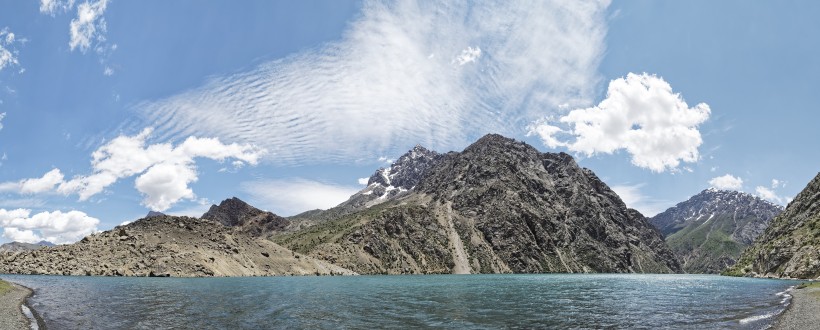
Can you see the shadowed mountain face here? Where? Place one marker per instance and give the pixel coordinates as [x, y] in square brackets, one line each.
[790, 246]
[498, 206]
[234, 212]
[710, 230]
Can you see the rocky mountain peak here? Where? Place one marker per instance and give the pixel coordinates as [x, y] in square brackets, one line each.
[711, 202]
[406, 171]
[231, 212]
[234, 212]
[710, 229]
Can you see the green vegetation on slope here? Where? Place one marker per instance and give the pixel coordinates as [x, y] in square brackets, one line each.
[708, 247]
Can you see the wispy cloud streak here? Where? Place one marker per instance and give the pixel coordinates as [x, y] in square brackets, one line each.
[405, 72]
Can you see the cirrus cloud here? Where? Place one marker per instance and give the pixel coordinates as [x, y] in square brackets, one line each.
[641, 115]
[432, 72]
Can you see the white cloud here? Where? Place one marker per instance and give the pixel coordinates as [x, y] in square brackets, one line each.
[163, 171]
[89, 25]
[108, 71]
[378, 90]
[770, 194]
[43, 184]
[641, 115]
[56, 227]
[726, 182]
[363, 181]
[2, 115]
[468, 55]
[292, 196]
[51, 7]
[8, 54]
[632, 196]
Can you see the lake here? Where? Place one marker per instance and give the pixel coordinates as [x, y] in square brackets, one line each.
[451, 301]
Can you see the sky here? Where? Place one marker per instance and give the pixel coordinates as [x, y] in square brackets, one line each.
[109, 109]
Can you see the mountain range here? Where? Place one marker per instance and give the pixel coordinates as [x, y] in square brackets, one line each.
[498, 206]
[708, 231]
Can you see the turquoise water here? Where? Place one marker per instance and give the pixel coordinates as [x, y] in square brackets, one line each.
[451, 301]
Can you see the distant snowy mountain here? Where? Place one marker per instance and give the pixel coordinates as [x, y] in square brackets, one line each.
[710, 230]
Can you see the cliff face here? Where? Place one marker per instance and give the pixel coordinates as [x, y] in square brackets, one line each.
[167, 246]
[499, 206]
[709, 230]
[790, 247]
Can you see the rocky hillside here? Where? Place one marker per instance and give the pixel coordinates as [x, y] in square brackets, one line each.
[499, 206]
[20, 246]
[710, 230]
[790, 247]
[384, 185]
[167, 246]
[235, 213]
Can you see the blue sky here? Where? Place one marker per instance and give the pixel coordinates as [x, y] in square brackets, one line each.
[112, 108]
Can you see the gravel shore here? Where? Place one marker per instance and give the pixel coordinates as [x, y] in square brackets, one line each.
[803, 311]
[12, 297]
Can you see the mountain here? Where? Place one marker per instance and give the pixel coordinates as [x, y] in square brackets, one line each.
[499, 206]
[234, 212]
[790, 247]
[20, 246]
[167, 246]
[385, 184]
[710, 230]
[152, 214]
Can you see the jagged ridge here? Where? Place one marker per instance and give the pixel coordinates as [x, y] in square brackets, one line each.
[498, 206]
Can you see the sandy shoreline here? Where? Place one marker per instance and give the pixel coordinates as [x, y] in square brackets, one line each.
[802, 312]
[11, 302]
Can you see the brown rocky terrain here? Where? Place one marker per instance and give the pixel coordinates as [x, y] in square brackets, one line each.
[168, 246]
[235, 213]
[499, 206]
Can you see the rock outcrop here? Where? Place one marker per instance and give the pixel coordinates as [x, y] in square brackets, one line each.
[167, 246]
[235, 213]
[790, 246]
[500, 206]
[709, 230]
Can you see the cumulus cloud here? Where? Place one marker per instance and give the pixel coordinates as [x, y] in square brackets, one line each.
[640, 114]
[46, 183]
[292, 196]
[56, 227]
[378, 89]
[632, 196]
[726, 182]
[163, 170]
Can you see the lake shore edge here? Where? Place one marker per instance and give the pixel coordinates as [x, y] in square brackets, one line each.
[12, 303]
[802, 311]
